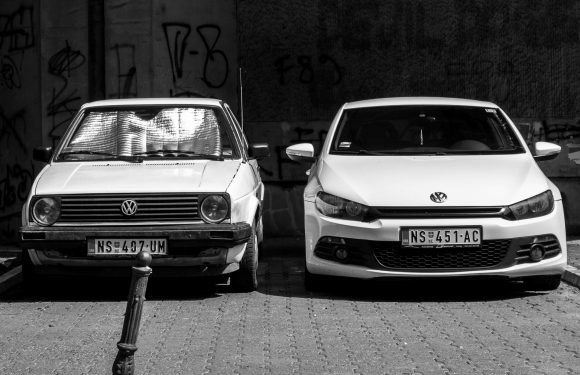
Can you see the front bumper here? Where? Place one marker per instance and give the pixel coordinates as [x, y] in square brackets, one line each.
[54, 249]
[361, 237]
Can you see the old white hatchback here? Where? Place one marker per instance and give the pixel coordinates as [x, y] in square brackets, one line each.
[430, 187]
[174, 177]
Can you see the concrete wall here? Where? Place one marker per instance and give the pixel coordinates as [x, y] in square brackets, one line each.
[305, 58]
[19, 107]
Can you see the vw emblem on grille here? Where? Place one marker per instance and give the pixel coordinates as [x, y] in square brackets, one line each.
[129, 207]
[438, 197]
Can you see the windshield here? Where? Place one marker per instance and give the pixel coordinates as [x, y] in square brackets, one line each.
[417, 130]
[137, 133]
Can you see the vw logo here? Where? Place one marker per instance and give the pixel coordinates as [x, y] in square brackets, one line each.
[438, 197]
[129, 207]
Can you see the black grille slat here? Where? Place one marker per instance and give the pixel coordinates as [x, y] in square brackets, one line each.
[435, 212]
[490, 254]
[107, 208]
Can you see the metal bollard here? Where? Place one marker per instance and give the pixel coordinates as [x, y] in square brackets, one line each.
[124, 364]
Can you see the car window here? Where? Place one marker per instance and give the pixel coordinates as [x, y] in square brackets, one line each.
[151, 132]
[424, 130]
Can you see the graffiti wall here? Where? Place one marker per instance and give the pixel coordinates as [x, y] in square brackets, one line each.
[171, 48]
[19, 101]
[64, 68]
[306, 58]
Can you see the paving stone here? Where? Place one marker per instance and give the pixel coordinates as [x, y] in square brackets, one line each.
[283, 329]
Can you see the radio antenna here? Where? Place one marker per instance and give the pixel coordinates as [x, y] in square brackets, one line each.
[241, 99]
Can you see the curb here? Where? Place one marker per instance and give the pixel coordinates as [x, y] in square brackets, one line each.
[10, 279]
[572, 276]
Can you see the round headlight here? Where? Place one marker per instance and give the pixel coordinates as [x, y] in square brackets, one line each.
[46, 211]
[214, 209]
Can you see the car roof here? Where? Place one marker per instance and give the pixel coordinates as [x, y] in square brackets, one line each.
[153, 101]
[418, 100]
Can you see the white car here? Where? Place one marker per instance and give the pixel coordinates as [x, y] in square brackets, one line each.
[430, 188]
[174, 177]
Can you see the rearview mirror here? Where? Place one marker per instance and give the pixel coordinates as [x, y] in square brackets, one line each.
[301, 152]
[42, 154]
[546, 151]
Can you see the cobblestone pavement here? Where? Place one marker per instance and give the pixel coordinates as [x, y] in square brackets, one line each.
[349, 328]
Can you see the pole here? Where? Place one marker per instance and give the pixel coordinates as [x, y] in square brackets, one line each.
[124, 364]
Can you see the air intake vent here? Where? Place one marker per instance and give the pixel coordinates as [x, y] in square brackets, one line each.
[491, 254]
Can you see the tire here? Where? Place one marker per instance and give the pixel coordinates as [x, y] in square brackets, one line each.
[30, 278]
[260, 239]
[313, 282]
[246, 278]
[542, 283]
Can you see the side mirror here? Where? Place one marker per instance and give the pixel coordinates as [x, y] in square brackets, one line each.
[301, 152]
[42, 154]
[259, 150]
[546, 151]
[525, 130]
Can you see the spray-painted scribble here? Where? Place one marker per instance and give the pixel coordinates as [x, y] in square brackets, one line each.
[9, 73]
[12, 127]
[306, 70]
[64, 103]
[214, 67]
[126, 71]
[17, 30]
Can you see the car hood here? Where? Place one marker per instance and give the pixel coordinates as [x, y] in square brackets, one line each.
[467, 180]
[146, 177]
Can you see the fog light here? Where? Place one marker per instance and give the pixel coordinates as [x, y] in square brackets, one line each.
[537, 252]
[340, 253]
[334, 240]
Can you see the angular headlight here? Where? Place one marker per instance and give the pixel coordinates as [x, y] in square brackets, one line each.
[46, 211]
[214, 209]
[540, 205]
[333, 206]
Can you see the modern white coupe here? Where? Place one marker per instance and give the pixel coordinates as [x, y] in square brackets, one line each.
[174, 177]
[430, 187]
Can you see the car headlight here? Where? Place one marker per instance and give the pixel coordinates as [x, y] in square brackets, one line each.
[541, 204]
[333, 206]
[46, 211]
[214, 209]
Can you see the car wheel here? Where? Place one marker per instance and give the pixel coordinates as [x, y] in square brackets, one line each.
[313, 282]
[542, 283]
[29, 276]
[246, 278]
[260, 239]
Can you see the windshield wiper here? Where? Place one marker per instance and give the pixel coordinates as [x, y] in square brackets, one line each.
[132, 159]
[86, 152]
[182, 152]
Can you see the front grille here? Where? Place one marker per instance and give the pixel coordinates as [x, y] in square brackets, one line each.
[391, 255]
[177, 207]
[434, 212]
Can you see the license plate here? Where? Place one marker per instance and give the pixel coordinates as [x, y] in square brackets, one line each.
[441, 237]
[126, 246]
